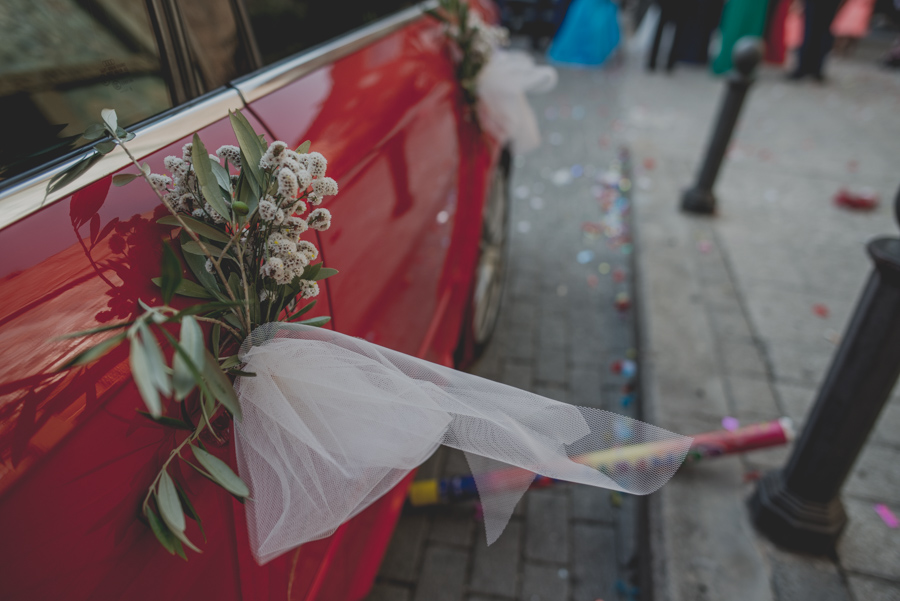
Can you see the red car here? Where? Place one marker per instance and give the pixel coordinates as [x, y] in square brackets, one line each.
[417, 236]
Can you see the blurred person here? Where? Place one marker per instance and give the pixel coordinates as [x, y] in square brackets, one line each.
[740, 18]
[817, 38]
[589, 34]
[851, 24]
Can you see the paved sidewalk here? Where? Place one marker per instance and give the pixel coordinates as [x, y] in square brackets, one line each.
[731, 322]
[558, 334]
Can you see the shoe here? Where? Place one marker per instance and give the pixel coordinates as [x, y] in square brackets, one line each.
[795, 75]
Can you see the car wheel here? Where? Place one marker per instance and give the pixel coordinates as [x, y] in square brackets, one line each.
[490, 271]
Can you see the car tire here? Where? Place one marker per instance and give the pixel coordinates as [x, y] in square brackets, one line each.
[490, 270]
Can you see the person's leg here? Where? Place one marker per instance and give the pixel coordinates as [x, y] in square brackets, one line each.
[817, 38]
[657, 37]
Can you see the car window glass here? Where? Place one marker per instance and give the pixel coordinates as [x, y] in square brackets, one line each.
[285, 27]
[215, 46]
[61, 63]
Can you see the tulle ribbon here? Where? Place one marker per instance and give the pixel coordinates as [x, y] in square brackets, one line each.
[331, 423]
[502, 85]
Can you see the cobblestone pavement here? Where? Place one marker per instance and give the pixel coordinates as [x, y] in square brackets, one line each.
[557, 336]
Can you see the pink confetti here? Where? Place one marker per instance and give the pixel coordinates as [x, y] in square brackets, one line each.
[704, 246]
[887, 515]
[820, 310]
[730, 423]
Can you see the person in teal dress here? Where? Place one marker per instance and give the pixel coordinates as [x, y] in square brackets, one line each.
[740, 18]
[588, 35]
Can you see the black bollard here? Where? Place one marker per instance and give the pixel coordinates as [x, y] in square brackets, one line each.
[799, 506]
[746, 55]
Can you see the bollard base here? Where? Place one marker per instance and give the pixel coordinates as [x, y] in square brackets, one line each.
[794, 523]
[696, 200]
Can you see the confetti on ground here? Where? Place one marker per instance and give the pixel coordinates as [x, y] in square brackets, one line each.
[752, 476]
[624, 367]
[863, 200]
[537, 203]
[615, 497]
[561, 177]
[619, 275]
[820, 310]
[627, 400]
[887, 515]
[524, 226]
[522, 191]
[730, 423]
[603, 268]
[833, 336]
[563, 573]
[585, 256]
[577, 171]
[649, 164]
[631, 353]
[593, 281]
[591, 227]
[623, 301]
[626, 249]
[625, 184]
[644, 182]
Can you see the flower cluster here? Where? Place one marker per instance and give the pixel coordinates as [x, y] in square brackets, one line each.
[483, 37]
[296, 181]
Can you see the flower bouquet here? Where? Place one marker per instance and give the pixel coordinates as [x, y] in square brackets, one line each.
[242, 214]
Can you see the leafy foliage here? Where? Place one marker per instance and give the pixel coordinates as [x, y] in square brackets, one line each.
[226, 243]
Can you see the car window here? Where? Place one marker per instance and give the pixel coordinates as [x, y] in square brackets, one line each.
[215, 46]
[285, 27]
[61, 63]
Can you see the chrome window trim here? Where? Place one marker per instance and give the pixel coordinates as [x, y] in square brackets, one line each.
[254, 87]
[26, 197]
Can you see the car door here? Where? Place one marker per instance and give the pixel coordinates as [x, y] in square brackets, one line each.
[75, 456]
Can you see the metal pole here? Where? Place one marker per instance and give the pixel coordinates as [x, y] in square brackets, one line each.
[746, 55]
[799, 506]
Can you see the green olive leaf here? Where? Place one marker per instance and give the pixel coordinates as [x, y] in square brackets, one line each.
[222, 474]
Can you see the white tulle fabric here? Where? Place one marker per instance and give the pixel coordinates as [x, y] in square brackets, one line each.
[331, 423]
[502, 85]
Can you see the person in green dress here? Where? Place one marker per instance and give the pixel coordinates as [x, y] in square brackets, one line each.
[740, 18]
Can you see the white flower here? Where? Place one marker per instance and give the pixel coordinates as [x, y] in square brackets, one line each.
[296, 226]
[186, 201]
[263, 295]
[177, 167]
[187, 151]
[297, 207]
[309, 289]
[287, 183]
[280, 245]
[159, 182]
[212, 213]
[279, 217]
[267, 209]
[303, 178]
[209, 266]
[309, 249]
[296, 262]
[325, 187]
[320, 219]
[314, 199]
[317, 164]
[198, 214]
[285, 278]
[213, 158]
[273, 268]
[273, 156]
[230, 153]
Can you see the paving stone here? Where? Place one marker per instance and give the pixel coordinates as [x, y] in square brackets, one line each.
[547, 535]
[796, 577]
[401, 561]
[730, 322]
[544, 583]
[593, 566]
[518, 375]
[389, 592]
[872, 589]
[876, 475]
[868, 546]
[551, 391]
[550, 366]
[443, 575]
[584, 384]
[495, 569]
[741, 358]
[592, 504]
[752, 398]
[453, 525]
